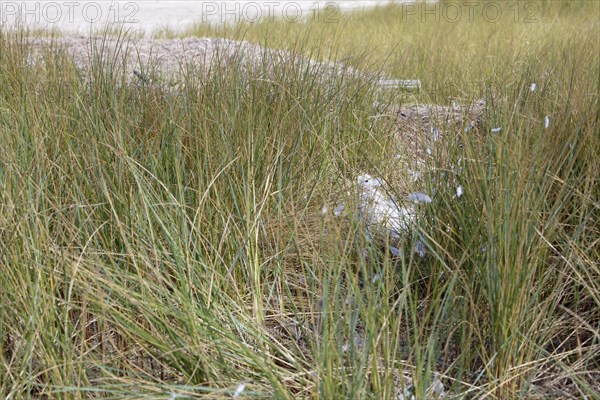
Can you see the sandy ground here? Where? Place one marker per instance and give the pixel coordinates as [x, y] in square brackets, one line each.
[150, 16]
[167, 60]
[163, 60]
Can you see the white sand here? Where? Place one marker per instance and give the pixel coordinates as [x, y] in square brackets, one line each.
[78, 17]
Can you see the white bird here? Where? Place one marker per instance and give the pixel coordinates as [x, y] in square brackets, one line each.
[379, 210]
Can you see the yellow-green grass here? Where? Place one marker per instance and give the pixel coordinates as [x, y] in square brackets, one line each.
[154, 245]
[450, 51]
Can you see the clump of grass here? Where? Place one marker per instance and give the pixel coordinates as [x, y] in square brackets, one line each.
[158, 245]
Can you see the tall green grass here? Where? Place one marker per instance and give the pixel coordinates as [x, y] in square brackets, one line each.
[156, 245]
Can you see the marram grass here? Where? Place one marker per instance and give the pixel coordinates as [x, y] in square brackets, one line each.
[174, 246]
